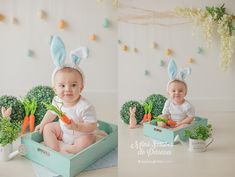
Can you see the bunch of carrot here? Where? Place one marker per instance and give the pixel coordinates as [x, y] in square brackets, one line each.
[29, 119]
[147, 112]
[168, 122]
[59, 113]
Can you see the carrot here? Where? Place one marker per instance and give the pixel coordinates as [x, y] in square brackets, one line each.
[26, 104]
[25, 124]
[31, 122]
[150, 107]
[33, 107]
[65, 119]
[145, 118]
[59, 113]
[171, 123]
[149, 116]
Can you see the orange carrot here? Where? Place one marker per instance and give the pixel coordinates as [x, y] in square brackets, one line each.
[149, 116]
[65, 119]
[59, 113]
[25, 124]
[33, 107]
[171, 123]
[31, 122]
[144, 118]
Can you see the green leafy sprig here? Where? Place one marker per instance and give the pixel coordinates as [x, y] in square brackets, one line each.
[54, 109]
[200, 132]
[9, 131]
[217, 13]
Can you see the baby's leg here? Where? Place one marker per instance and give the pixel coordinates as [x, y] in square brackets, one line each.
[52, 134]
[80, 144]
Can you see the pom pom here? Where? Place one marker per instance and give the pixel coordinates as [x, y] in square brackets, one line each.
[135, 50]
[106, 23]
[190, 61]
[162, 63]
[125, 48]
[199, 50]
[30, 53]
[153, 45]
[93, 37]
[14, 20]
[168, 52]
[62, 24]
[2, 17]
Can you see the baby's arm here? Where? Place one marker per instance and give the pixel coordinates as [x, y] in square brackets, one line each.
[187, 120]
[166, 116]
[48, 117]
[82, 126]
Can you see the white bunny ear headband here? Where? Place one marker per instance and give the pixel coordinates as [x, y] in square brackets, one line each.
[58, 54]
[173, 75]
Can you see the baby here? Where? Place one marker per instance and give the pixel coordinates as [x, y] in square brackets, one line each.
[68, 83]
[177, 107]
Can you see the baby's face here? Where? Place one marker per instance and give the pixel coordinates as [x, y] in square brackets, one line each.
[177, 92]
[68, 86]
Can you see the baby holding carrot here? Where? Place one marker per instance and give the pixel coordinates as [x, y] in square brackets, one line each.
[78, 119]
[177, 108]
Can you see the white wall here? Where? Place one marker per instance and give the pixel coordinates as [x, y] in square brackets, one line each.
[19, 73]
[209, 87]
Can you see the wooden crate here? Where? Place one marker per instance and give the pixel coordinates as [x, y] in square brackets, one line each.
[72, 164]
[168, 134]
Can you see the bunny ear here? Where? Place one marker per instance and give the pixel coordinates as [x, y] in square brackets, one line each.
[58, 51]
[184, 73]
[172, 69]
[78, 54]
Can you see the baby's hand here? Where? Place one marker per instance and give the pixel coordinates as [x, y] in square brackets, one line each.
[179, 124]
[39, 128]
[72, 126]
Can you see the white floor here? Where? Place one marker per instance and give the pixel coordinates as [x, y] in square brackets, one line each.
[217, 161]
[21, 167]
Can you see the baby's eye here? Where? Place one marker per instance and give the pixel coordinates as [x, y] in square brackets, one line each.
[74, 85]
[61, 85]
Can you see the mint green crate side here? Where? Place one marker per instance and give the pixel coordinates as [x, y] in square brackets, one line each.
[168, 135]
[158, 133]
[91, 154]
[74, 163]
[45, 156]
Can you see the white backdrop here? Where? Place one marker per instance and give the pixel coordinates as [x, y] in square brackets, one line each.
[19, 73]
[209, 87]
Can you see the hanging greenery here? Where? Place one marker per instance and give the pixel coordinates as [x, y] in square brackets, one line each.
[208, 19]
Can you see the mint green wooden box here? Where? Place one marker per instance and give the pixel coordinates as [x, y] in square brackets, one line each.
[167, 135]
[69, 165]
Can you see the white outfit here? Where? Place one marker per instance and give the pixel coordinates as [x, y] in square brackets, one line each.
[83, 111]
[178, 112]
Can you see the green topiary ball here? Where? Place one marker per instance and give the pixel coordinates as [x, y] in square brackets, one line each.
[158, 103]
[125, 111]
[41, 94]
[16, 105]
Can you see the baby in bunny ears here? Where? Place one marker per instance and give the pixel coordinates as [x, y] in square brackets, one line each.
[68, 83]
[177, 108]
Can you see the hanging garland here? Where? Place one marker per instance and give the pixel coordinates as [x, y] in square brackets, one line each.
[208, 18]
